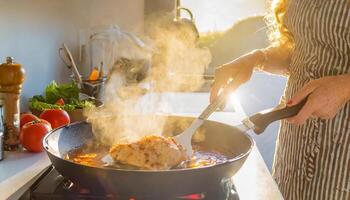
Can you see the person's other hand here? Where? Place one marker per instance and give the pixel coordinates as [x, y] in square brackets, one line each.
[239, 71]
[327, 95]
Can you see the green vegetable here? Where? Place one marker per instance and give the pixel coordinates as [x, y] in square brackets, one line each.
[53, 92]
[68, 92]
[41, 106]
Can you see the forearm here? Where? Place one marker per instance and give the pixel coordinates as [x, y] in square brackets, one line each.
[274, 60]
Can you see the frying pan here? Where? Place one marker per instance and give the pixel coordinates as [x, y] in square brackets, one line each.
[230, 141]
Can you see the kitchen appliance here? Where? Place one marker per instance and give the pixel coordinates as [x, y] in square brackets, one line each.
[52, 185]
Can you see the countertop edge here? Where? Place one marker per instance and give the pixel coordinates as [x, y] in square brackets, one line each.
[18, 180]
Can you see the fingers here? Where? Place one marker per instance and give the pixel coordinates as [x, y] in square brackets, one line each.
[214, 91]
[317, 113]
[222, 75]
[326, 114]
[308, 109]
[240, 70]
[303, 93]
[236, 83]
[231, 87]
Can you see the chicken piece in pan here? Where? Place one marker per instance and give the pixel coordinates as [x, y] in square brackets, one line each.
[150, 152]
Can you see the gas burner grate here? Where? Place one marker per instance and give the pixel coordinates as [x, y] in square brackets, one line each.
[51, 185]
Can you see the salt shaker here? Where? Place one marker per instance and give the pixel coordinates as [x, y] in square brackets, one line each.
[11, 80]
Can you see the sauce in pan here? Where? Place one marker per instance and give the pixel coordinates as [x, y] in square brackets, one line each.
[202, 158]
[97, 156]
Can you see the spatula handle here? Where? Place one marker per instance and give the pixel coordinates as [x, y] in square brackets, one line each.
[218, 102]
[263, 119]
[211, 108]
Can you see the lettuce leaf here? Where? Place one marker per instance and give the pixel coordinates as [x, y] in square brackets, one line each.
[53, 92]
[34, 104]
[68, 92]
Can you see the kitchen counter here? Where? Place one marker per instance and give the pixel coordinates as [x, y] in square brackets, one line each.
[253, 181]
[18, 171]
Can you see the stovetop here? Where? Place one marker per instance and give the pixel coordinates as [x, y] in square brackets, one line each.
[51, 185]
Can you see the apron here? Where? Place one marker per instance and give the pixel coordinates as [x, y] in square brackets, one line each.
[312, 161]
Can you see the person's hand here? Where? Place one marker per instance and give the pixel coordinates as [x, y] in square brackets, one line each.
[327, 95]
[239, 71]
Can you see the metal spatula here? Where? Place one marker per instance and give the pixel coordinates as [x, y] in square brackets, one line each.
[184, 138]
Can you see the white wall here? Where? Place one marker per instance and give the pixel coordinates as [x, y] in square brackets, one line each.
[33, 30]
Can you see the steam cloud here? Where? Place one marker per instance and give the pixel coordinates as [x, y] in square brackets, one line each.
[129, 111]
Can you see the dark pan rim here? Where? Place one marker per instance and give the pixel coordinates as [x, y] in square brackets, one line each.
[234, 159]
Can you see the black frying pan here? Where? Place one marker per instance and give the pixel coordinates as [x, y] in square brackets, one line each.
[230, 141]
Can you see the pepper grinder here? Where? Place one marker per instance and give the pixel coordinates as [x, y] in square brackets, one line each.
[11, 78]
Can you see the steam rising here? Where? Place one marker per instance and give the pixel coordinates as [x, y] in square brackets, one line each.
[129, 111]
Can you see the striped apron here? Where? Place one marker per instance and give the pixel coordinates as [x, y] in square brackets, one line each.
[312, 161]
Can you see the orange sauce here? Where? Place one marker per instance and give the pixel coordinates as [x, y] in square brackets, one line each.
[94, 157]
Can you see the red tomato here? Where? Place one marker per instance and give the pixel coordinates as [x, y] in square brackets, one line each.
[27, 117]
[45, 122]
[56, 117]
[60, 102]
[32, 134]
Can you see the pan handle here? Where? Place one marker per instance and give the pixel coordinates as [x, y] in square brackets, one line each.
[263, 119]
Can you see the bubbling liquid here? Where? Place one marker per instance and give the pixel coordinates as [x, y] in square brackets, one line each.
[95, 156]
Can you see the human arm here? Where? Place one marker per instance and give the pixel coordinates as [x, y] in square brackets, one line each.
[274, 59]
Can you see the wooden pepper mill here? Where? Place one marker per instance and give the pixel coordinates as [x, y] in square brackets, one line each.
[11, 79]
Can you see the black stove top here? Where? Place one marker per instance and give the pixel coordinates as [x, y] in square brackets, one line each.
[51, 185]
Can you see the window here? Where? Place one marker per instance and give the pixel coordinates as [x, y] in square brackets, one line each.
[220, 15]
